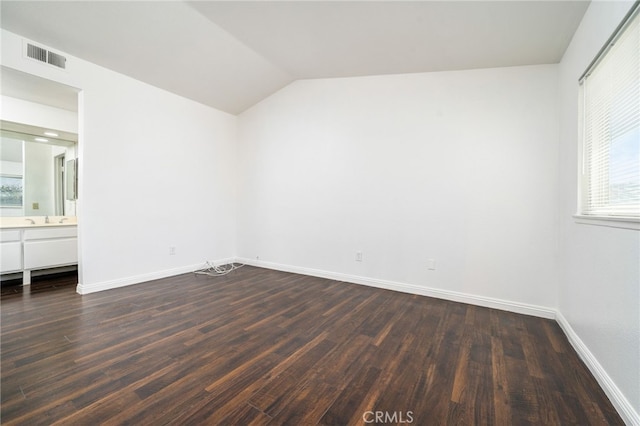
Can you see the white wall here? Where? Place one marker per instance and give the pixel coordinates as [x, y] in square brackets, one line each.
[156, 170]
[599, 292]
[11, 167]
[34, 114]
[460, 167]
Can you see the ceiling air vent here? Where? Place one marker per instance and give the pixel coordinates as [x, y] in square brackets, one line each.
[57, 60]
[43, 55]
[37, 53]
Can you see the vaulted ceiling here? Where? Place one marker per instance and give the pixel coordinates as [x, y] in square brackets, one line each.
[232, 54]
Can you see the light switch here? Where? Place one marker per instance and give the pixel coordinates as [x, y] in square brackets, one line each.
[431, 264]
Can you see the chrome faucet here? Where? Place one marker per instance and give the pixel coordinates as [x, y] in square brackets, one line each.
[46, 219]
[33, 222]
[63, 219]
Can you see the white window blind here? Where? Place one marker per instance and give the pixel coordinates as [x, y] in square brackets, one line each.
[611, 127]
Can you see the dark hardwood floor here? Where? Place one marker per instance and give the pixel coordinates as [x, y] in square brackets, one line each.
[39, 284]
[266, 347]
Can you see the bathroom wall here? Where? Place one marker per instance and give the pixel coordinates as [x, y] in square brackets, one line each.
[38, 180]
[40, 186]
[35, 114]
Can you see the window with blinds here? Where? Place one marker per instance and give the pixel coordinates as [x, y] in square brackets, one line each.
[611, 127]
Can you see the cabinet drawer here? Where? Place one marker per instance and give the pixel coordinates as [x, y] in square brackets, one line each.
[10, 257]
[43, 254]
[10, 235]
[45, 233]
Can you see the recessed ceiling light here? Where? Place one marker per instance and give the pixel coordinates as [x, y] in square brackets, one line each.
[41, 140]
[52, 134]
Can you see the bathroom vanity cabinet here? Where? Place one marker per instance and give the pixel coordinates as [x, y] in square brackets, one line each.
[37, 247]
[10, 250]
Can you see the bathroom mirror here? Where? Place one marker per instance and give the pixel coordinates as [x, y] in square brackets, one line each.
[38, 171]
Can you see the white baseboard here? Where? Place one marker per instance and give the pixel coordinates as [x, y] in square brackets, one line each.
[622, 405]
[488, 302]
[122, 282]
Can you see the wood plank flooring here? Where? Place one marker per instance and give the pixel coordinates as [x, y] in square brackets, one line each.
[262, 347]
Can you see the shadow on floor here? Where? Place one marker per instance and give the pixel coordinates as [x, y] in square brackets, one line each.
[39, 284]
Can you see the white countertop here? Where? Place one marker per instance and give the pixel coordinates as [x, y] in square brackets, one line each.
[24, 222]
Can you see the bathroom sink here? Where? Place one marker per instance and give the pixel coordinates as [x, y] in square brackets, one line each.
[36, 222]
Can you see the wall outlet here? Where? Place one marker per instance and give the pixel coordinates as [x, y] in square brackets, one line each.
[172, 250]
[358, 256]
[35, 206]
[431, 264]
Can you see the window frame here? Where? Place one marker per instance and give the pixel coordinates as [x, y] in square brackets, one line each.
[616, 221]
